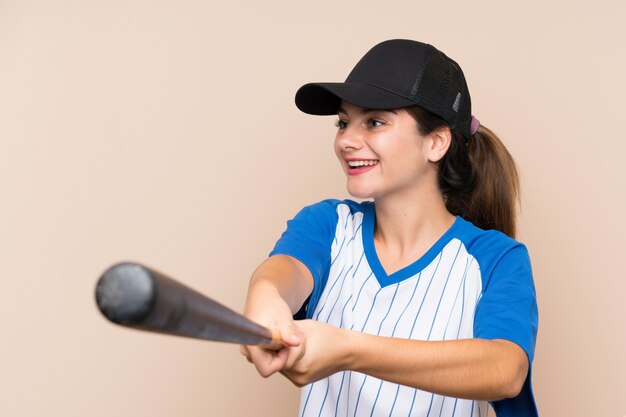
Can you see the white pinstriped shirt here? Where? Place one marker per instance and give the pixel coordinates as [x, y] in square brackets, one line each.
[438, 297]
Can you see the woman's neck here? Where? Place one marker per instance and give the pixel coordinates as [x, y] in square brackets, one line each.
[410, 224]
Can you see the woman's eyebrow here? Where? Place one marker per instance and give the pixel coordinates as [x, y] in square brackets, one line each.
[364, 111]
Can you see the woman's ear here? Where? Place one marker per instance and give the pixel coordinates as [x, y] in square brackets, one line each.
[440, 143]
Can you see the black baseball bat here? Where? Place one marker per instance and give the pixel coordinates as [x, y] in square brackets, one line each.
[133, 295]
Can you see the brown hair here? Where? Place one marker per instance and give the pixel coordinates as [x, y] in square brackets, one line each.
[477, 176]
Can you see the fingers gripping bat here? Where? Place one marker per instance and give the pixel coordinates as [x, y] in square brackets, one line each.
[136, 296]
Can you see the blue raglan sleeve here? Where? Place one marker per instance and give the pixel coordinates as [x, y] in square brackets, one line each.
[508, 310]
[508, 306]
[309, 236]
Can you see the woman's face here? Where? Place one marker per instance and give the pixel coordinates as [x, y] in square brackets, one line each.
[382, 152]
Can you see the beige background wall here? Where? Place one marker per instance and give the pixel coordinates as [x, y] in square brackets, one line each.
[165, 132]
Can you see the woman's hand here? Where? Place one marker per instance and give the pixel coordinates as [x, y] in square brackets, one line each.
[278, 288]
[267, 361]
[324, 351]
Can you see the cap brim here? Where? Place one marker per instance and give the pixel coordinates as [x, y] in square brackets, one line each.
[324, 99]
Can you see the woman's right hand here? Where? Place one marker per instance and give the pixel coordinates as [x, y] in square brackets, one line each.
[278, 287]
[276, 317]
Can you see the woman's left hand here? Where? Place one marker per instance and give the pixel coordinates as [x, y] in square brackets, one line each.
[324, 350]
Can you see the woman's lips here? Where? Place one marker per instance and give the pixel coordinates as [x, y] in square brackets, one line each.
[360, 166]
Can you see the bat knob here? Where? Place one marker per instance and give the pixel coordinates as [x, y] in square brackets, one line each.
[125, 293]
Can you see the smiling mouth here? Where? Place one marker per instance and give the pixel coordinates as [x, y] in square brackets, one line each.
[364, 163]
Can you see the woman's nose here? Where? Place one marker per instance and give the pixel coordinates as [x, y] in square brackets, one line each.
[350, 137]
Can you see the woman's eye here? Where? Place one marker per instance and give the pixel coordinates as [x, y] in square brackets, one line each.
[375, 123]
[341, 124]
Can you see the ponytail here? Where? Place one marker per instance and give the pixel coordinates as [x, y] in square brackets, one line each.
[477, 177]
[494, 200]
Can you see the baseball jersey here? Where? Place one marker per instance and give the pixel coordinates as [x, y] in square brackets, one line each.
[471, 283]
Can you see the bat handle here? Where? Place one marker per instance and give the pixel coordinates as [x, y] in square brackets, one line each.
[277, 340]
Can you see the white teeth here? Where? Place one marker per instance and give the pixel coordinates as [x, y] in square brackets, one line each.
[354, 164]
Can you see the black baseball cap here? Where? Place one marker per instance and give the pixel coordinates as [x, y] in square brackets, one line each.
[396, 74]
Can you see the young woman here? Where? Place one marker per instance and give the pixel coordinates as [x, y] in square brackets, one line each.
[420, 302]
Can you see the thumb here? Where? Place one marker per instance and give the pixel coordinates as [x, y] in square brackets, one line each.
[291, 339]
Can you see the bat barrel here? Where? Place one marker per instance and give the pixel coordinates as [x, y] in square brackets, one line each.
[136, 296]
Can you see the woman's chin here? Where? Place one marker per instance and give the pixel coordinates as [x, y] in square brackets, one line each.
[359, 193]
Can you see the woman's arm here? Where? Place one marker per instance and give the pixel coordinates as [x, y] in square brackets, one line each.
[472, 368]
[278, 288]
